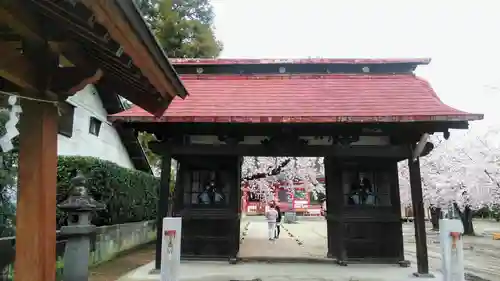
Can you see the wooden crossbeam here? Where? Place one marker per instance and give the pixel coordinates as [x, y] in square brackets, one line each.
[19, 70]
[13, 13]
[394, 151]
[16, 68]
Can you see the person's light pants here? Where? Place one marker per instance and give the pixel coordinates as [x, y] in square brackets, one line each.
[271, 228]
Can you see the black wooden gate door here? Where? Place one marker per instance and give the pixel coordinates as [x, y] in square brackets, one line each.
[207, 196]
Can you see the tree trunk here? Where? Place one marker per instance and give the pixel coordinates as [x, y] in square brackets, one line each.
[467, 221]
[170, 212]
[466, 218]
[435, 214]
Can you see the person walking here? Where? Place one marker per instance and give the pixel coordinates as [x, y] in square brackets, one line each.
[278, 220]
[271, 217]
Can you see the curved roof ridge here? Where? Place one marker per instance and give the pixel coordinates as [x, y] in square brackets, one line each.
[293, 76]
[227, 61]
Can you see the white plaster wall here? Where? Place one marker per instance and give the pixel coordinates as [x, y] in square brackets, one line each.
[106, 146]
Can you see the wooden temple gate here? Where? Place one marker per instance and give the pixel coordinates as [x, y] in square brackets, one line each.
[49, 51]
[363, 116]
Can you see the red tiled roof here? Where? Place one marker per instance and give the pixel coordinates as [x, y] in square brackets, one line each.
[304, 99]
[197, 61]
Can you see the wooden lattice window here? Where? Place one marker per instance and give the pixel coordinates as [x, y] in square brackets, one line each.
[206, 189]
[366, 188]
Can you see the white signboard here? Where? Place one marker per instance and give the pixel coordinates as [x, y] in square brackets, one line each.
[171, 249]
[300, 204]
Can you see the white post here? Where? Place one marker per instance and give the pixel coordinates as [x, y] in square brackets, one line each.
[171, 249]
[452, 254]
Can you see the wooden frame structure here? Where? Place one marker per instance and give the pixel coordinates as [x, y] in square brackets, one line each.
[311, 107]
[50, 50]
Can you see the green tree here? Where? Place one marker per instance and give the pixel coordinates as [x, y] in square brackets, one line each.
[184, 29]
[154, 159]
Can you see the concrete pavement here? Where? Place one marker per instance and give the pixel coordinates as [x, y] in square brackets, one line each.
[222, 271]
[306, 241]
[482, 253]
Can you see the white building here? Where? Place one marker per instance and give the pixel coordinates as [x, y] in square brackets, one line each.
[85, 131]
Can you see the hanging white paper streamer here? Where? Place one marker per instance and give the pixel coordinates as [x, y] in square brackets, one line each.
[10, 126]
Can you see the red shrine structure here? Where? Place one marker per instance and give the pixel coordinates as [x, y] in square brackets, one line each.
[362, 115]
[298, 198]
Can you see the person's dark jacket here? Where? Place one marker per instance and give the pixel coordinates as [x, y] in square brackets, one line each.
[278, 219]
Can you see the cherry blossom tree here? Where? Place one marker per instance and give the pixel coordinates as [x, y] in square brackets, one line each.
[261, 175]
[461, 172]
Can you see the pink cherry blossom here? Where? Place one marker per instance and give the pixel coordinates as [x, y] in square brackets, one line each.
[300, 169]
[462, 170]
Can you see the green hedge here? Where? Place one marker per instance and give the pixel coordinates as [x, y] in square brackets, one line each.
[129, 195]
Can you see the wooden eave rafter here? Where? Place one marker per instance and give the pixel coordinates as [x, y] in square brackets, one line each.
[111, 102]
[110, 15]
[73, 23]
[128, 90]
[12, 13]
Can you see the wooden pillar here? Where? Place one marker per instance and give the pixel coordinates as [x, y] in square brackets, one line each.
[334, 211]
[329, 194]
[163, 198]
[36, 201]
[396, 209]
[237, 208]
[418, 218]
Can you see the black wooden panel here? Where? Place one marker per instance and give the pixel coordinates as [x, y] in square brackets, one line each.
[371, 240]
[207, 237]
[209, 230]
[334, 214]
[363, 231]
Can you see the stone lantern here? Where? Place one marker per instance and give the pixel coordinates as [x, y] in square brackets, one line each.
[79, 205]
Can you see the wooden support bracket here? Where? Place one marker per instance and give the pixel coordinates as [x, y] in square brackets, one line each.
[68, 81]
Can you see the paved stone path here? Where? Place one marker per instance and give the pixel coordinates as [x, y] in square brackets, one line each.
[113, 269]
[256, 245]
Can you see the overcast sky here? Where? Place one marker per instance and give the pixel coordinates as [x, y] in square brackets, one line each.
[462, 38]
